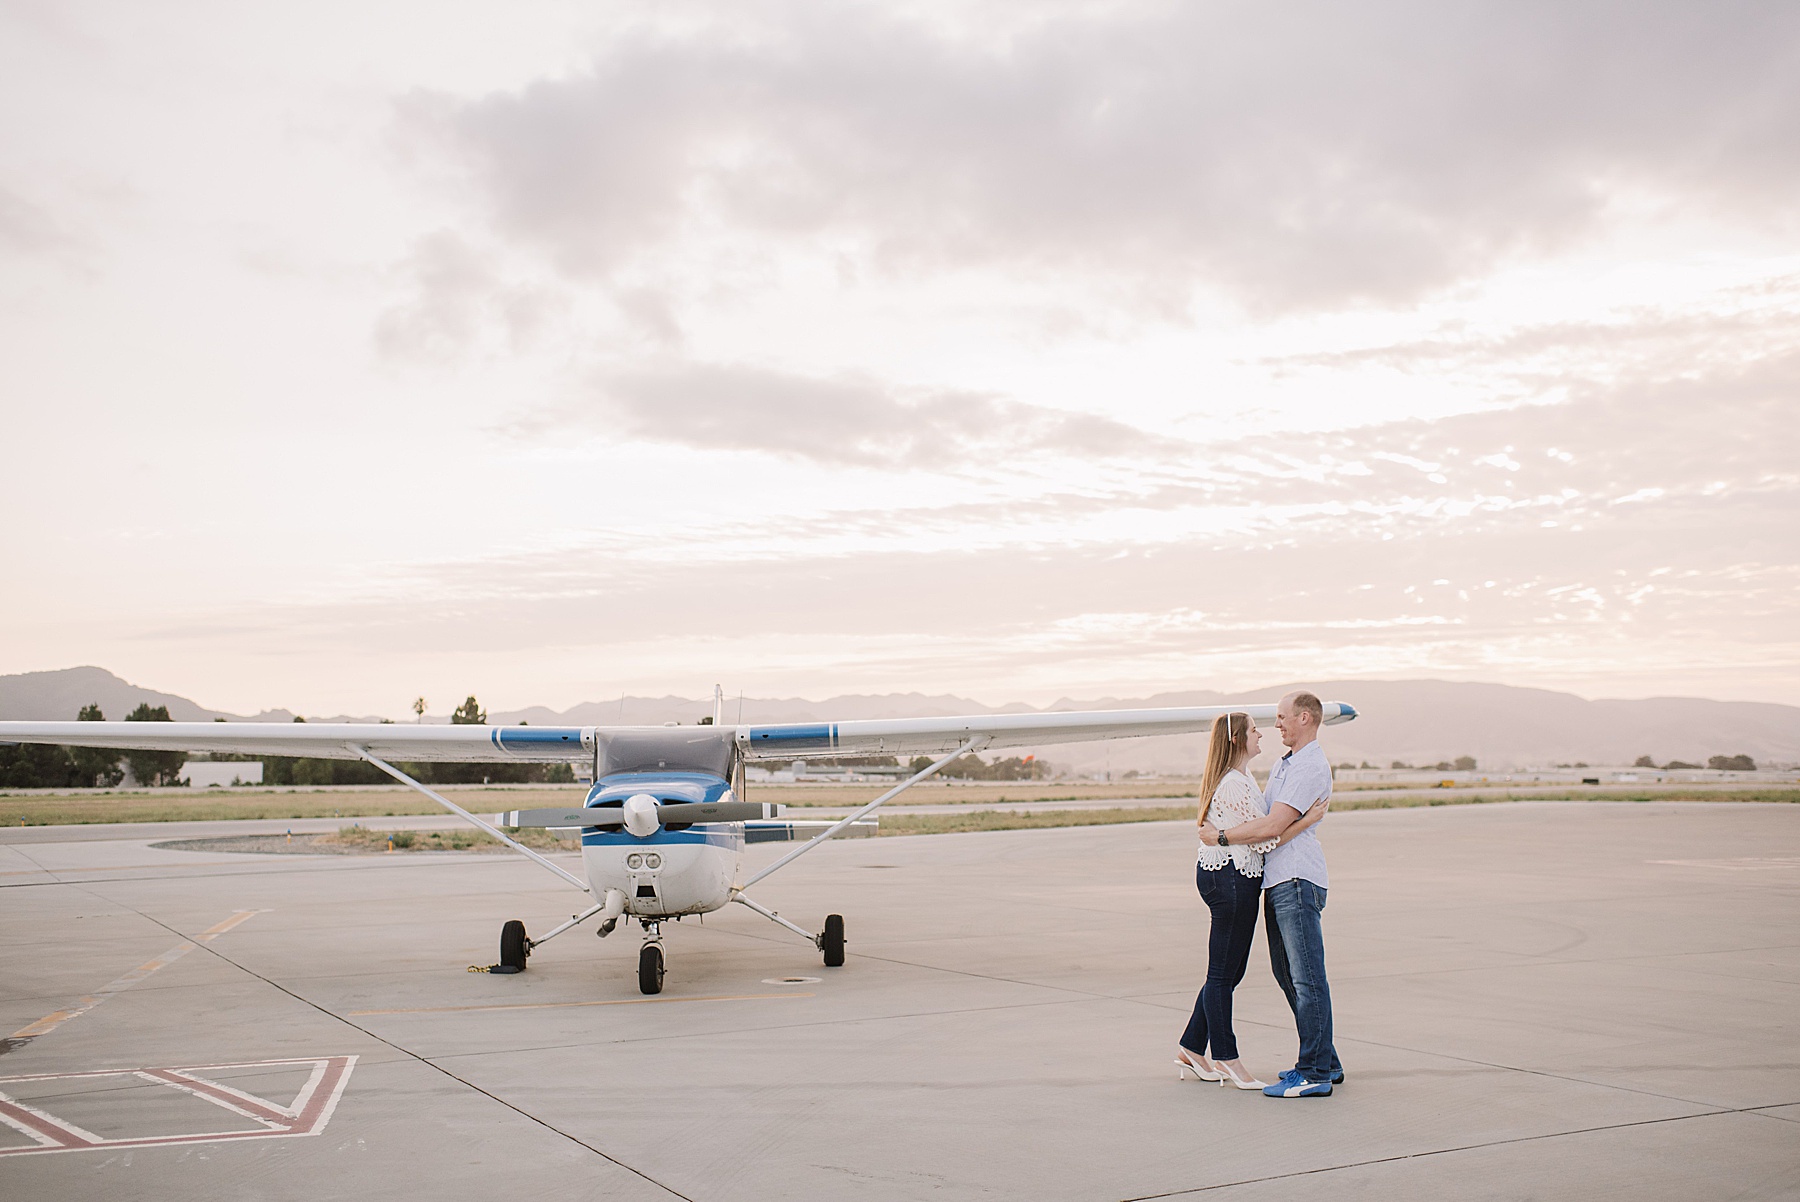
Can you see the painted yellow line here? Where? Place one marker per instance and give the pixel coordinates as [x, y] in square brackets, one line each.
[219, 928]
[629, 1001]
[50, 1022]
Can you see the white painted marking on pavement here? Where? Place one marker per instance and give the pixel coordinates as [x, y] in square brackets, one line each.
[307, 1114]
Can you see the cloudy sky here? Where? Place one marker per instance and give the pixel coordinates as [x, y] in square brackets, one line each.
[549, 352]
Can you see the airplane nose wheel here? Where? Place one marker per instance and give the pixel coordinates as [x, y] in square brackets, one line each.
[650, 960]
[650, 968]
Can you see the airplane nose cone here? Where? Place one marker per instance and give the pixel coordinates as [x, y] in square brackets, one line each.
[640, 815]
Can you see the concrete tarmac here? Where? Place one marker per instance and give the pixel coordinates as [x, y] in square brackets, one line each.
[1533, 1000]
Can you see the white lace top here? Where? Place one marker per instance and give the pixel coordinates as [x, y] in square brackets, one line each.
[1236, 800]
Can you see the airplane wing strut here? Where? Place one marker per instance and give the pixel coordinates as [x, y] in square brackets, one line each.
[973, 744]
[496, 832]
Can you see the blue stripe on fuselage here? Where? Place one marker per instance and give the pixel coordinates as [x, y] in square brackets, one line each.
[729, 835]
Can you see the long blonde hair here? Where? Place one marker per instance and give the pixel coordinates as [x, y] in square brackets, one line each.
[1230, 738]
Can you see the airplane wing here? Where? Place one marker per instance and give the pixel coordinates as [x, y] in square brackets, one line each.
[320, 740]
[552, 744]
[924, 736]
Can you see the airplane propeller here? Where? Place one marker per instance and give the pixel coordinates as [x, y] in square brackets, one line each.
[642, 814]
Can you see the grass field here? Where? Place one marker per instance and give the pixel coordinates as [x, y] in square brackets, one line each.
[181, 805]
[1379, 801]
[356, 838]
[184, 805]
[213, 805]
[927, 793]
[902, 823]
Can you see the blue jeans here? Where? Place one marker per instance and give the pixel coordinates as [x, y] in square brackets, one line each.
[1231, 896]
[1297, 956]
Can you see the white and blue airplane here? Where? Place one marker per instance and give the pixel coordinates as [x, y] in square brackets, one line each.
[664, 825]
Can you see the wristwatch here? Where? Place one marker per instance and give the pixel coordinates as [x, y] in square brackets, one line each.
[1224, 839]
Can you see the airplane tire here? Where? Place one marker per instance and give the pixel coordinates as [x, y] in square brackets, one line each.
[514, 947]
[832, 941]
[650, 968]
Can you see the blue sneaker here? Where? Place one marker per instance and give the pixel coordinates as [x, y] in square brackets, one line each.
[1293, 1084]
[1337, 1078]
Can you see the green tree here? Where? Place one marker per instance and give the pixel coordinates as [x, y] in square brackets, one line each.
[95, 766]
[1732, 763]
[153, 767]
[1464, 763]
[301, 770]
[36, 766]
[970, 766]
[418, 708]
[470, 713]
[1644, 761]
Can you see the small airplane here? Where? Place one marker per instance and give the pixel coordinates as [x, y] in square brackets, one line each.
[665, 822]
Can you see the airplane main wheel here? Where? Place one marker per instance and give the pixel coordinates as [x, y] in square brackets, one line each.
[832, 941]
[514, 947]
[650, 968]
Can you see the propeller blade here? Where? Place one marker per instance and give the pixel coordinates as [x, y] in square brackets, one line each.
[571, 816]
[672, 813]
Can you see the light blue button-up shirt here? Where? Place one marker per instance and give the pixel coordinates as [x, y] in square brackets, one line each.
[1298, 779]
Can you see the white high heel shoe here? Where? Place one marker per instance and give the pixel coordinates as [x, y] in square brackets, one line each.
[1202, 1068]
[1227, 1076]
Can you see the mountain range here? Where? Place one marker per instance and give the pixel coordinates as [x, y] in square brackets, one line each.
[1415, 721]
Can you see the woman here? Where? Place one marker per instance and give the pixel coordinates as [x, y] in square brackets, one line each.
[1230, 880]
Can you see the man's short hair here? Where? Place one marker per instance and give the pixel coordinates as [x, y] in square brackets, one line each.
[1309, 703]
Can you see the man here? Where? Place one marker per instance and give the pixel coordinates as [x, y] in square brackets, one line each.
[1294, 883]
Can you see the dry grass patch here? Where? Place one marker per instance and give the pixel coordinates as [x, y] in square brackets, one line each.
[361, 838]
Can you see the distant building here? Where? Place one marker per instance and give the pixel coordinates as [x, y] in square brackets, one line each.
[204, 774]
[800, 770]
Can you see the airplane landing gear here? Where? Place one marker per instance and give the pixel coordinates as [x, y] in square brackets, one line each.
[829, 941]
[650, 960]
[515, 948]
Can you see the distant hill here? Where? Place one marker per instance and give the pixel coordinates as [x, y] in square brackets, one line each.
[59, 696]
[1427, 721]
[1417, 721]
